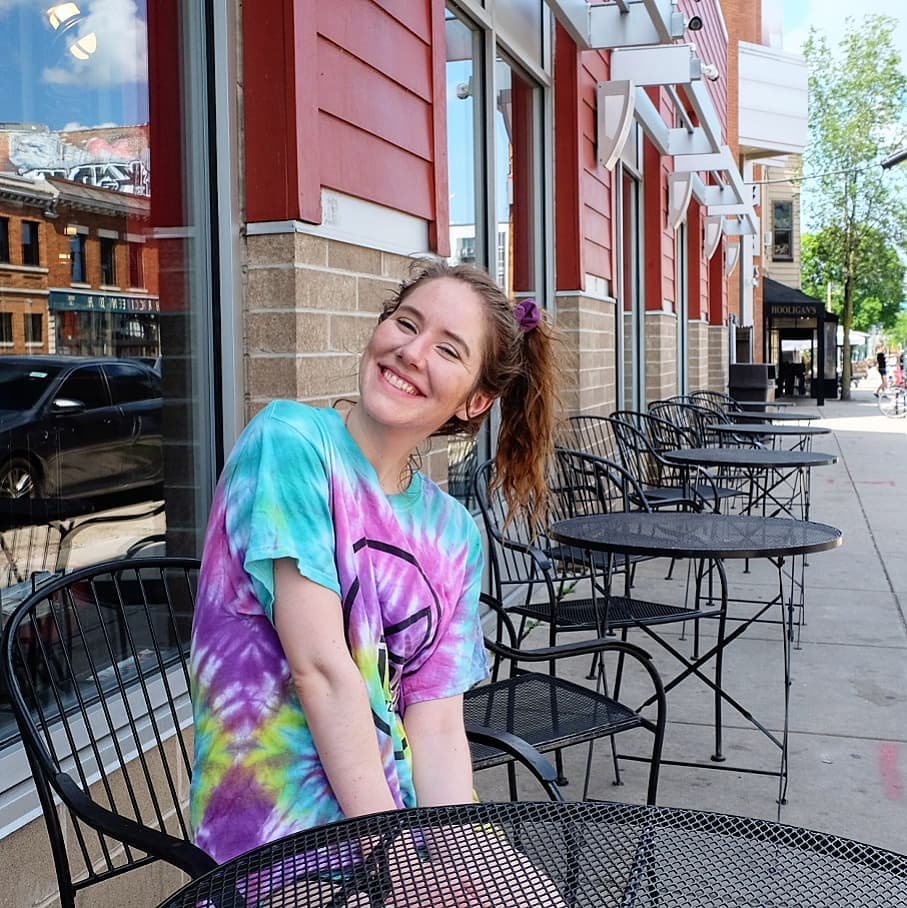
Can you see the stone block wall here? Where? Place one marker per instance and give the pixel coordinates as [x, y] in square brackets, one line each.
[718, 357]
[586, 325]
[698, 355]
[661, 355]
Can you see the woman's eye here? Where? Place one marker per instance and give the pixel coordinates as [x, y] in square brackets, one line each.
[406, 324]
[450, 351]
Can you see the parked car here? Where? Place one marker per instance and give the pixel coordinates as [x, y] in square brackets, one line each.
[73, 427]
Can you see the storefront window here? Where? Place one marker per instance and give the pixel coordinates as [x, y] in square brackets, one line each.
[113, 456]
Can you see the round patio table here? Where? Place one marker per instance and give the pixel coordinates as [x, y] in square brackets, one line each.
[552, 855]
[718, 538]
[771, 416]
[776, 481]
[798, 438]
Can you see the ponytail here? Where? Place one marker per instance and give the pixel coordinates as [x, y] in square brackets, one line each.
[530, 410]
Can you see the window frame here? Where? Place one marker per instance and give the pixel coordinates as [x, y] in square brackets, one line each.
[776, 231]
[7, 339]
[31, 249]
[78, 242]
[4, 241]
[108, 247]
[29, 320]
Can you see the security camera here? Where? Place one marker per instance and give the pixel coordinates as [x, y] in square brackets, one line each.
[694, 23]
[464, 90]
[711, 72]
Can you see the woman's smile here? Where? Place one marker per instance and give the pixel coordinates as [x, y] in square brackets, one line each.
[395, 380]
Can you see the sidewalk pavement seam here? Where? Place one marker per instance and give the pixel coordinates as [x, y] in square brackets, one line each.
[875, 545]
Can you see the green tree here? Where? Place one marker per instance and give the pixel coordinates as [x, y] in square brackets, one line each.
[896, 335]
[856, 99]
[878, 280]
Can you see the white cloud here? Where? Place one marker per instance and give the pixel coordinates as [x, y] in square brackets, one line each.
[122, 47]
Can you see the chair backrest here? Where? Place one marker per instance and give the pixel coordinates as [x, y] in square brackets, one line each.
[689, 417]
[717, 399]
[593, 435]
[589, 485]
[95, 664]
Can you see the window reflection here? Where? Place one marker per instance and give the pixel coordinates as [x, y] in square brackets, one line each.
[516, 172]
[97, 339]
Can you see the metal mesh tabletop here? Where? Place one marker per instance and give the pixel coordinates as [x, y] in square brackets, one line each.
[750, 458]
[694, 535]
[772, 416]
[758, 428]
[528, 855]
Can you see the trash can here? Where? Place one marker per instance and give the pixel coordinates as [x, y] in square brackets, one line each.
[753, 382]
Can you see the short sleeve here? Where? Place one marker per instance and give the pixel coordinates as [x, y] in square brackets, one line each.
[459, 661]
[279, 499]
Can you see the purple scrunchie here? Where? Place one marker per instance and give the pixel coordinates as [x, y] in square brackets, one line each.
[528, 314]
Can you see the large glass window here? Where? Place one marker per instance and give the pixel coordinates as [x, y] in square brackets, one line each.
[4, 239]
[494, 151]
[119, 458]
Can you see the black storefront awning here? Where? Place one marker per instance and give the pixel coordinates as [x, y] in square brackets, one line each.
[780, 303]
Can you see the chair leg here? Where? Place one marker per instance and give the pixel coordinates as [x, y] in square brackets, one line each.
[559, 766]
[511, 781]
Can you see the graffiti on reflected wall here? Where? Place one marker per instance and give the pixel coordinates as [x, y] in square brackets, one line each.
[107, 157]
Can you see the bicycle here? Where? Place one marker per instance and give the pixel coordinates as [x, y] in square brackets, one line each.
[893, 402]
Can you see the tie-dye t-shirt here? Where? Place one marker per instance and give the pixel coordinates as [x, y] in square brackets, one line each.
[407, 569]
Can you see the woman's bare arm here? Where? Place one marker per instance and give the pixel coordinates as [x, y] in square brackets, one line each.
[309, 622]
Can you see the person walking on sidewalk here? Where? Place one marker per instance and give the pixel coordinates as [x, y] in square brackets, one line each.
[882, 363]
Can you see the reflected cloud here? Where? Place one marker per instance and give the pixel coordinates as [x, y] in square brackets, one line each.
[121, 53]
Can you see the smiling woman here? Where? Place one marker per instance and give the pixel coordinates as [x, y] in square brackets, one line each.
[337, 621]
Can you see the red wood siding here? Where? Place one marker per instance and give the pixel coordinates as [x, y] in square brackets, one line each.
[342, 95]
[584, 239]
[567, 218]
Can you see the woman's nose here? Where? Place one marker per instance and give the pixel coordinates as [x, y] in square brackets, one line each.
[413, 351]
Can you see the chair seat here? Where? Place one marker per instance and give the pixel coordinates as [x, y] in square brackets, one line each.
[546, 711]
[623, 611]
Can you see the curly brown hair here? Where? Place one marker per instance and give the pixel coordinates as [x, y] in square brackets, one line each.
[520, 369]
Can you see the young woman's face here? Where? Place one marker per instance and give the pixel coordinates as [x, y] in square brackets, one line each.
[422, 362]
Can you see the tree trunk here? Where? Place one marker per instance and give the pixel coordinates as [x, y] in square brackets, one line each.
[848, 321]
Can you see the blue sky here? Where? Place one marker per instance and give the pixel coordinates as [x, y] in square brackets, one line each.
[42, 82]
[830, 16]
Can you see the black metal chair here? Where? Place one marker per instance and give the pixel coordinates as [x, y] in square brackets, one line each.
[592, 434]
[641, 439]
[551, 713]
[95, 665]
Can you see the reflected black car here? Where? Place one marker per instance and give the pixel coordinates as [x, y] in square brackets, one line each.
[78, 427]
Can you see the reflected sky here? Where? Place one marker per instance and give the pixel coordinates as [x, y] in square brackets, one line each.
[44, 80]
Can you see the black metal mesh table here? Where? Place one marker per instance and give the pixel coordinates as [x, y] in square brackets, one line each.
[785, 436]
[716, 537]
[771, 416]
[554, 855]
[776, 482]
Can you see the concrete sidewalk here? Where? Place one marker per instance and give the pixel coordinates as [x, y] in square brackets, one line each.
[848, 707]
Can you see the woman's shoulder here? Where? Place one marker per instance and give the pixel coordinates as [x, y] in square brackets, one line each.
[290, 417]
